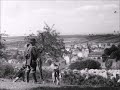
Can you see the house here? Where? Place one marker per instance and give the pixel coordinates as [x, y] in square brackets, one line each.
[74, 58]
[95, 55]
[85, 52]
[80, 54]
[67, 59]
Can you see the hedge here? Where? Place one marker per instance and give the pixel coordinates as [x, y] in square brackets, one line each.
[90, 64]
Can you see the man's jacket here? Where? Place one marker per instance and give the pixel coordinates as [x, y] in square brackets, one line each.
[31, 56]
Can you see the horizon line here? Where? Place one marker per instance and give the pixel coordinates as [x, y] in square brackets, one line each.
[66, 34]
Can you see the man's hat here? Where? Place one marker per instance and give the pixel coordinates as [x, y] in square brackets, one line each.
[32, 40]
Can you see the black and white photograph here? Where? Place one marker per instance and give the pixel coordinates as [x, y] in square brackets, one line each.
[59, 44]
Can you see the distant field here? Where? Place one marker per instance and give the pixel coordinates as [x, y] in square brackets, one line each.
[18, 41]
[94, 38]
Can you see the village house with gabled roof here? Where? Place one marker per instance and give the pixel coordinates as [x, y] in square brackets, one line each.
[95, 55]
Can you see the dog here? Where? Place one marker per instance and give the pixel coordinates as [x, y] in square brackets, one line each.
[20, 74]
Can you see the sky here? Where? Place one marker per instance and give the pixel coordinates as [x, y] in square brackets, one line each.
[69, 16]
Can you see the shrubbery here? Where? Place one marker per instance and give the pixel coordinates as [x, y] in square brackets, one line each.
[47, 75]
[90, 64]
[72, 79]
[113, 53]
[95, 80]
[6, 71]
[108, 63]
[98, 81]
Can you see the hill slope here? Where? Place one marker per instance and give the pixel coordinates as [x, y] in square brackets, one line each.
[18, 41]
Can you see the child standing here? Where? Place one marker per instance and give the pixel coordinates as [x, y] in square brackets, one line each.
[55, 73]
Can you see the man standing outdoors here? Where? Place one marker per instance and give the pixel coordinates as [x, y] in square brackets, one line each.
[31, 60]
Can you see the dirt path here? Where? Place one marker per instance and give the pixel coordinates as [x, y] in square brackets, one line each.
[17, 85]
[6, 84]
[9, 85]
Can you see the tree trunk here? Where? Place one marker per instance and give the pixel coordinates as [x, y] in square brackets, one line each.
[40, 68]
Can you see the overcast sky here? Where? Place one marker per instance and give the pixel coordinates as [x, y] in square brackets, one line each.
[70, 16]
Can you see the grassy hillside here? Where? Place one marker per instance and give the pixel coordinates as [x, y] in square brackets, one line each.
[108, 38]
[18, 41]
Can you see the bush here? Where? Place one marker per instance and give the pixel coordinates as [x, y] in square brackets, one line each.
[99, 81]
[94, 80]
[108, 63]
[72, 79]
[47, 75]
[6, 71]
[104, 57]
[90, 64]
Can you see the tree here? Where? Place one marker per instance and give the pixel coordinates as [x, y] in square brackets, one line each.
[115, 55]
[107, 51]
[104, 57]
[108, 64]
[113, 48]
[49, 43]
[20, 58]
[2, 47]
[112, 52]
[90, 64]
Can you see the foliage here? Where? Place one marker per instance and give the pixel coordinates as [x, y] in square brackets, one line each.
[47, 75]
[18, 56]
[113, 48]
[6, 71]
[2, 47]
[113, 52]
[107, 51]
[108, 64]
[14, 56]
[71, 78]
[115, 55]
[49, 43]
[90, 64]
[98, 81]
[104, 57]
